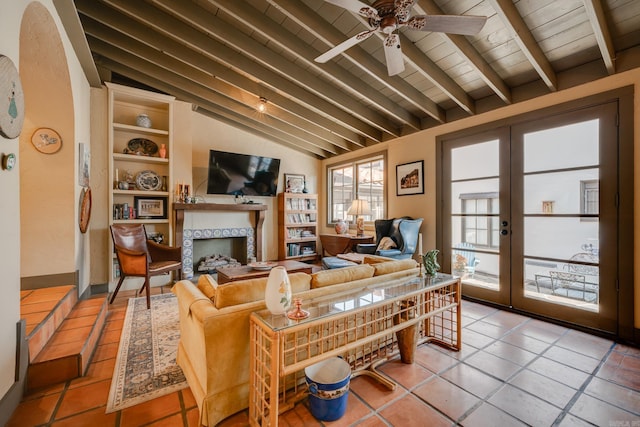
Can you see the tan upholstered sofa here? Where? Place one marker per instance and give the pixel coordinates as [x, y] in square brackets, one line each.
[214, 327]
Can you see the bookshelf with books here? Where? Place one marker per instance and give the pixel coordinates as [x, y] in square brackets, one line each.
[298, 226]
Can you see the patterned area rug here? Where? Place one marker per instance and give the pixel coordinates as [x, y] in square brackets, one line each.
[146, 364]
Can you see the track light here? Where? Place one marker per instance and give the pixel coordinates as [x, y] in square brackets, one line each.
[262, 105]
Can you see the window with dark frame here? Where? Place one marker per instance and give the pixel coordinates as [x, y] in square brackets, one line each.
[589, 199]
[362, 178]
[478, 226]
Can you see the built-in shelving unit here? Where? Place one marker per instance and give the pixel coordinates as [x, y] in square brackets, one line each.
[125, 105]
[298, 226]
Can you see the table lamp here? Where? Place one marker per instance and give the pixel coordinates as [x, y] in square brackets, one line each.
[359, 208]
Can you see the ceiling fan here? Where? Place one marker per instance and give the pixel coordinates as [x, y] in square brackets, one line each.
[389, 15]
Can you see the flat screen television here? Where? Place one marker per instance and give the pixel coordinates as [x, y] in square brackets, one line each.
[238, 174]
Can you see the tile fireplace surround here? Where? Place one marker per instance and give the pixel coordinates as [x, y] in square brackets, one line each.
[187, 233]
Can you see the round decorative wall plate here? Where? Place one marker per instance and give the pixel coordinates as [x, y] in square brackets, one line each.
[46, 140]
[148, 180]
[11, 99]
[85, 209]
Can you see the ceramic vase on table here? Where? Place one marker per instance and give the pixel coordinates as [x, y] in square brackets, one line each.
[342, 226]
[277, 294]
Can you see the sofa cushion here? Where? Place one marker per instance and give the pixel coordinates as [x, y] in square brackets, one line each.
[330, 262]
[250, 290]
[208, 286]
[340, 275]
[393, 266]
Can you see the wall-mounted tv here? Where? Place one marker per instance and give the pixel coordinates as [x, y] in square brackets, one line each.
[232, 173]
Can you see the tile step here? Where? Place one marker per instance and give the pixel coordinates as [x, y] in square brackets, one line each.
[44, 310]
[67, 354]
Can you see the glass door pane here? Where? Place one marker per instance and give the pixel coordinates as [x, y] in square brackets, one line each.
[474, 207]
[561, 226]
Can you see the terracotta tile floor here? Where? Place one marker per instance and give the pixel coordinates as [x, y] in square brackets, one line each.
[512, 371]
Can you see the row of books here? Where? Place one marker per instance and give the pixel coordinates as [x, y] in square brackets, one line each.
[123, 211]
[294, 249]
[296, 233]
[301, 204]
[301, 218]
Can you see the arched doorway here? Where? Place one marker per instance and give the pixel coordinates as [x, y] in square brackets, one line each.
[47, 181]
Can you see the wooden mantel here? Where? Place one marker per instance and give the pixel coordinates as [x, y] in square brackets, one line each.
[259, 209]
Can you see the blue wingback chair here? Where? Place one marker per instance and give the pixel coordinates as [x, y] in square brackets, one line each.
[404, 233]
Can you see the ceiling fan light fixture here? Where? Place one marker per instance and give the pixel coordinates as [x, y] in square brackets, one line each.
[262, 105]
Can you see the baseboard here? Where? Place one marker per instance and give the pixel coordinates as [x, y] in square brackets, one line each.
[97, 289]
[12, 398]
[49, 280]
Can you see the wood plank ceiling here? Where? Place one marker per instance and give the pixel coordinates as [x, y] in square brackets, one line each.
[224, 55]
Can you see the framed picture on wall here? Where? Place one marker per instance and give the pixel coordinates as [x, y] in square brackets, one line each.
[84, 160]
[150, 207]
[294, 183]
[410, 178]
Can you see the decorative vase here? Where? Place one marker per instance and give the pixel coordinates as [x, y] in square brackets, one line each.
[143, 121]
[277, 294]
[163, 151]
[430, 262]
[342, 226]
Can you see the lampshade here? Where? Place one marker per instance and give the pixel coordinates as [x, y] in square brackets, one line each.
[359, 207]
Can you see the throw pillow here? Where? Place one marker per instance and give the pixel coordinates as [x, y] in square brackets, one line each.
[208, 286]
[386, 243]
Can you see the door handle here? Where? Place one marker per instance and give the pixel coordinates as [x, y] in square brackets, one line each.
[505, 223]
[504, 232]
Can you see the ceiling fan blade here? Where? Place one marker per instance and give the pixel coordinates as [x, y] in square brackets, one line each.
[338, 49]
[393, 55]
[356, 6]
[403, 9]
[452, 24]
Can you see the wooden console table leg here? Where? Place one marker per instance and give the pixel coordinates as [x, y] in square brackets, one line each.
[407, 337]
[407, 343]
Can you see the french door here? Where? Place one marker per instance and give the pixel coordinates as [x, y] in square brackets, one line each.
[530, 215]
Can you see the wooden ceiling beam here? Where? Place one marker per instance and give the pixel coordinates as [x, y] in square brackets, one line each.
[248, 127]
[279, 36]
[342, 137]
[325, 32]
[257, 56]
[184, 38]
[160, 59]
[173, 83]
[512, 20]
[465, 49]
[598, 20]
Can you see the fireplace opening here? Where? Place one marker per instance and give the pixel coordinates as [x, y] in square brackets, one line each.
[212, 263]
[212, 254]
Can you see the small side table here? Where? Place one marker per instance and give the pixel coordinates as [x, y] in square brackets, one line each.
[334, 244]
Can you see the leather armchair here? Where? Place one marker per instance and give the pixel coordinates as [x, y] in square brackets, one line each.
[140, 257]
[404, 233]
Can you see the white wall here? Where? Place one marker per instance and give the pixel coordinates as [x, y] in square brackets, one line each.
[11, 14]
[9, 214]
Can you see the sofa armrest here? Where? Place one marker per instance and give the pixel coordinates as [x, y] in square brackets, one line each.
[366, 248]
